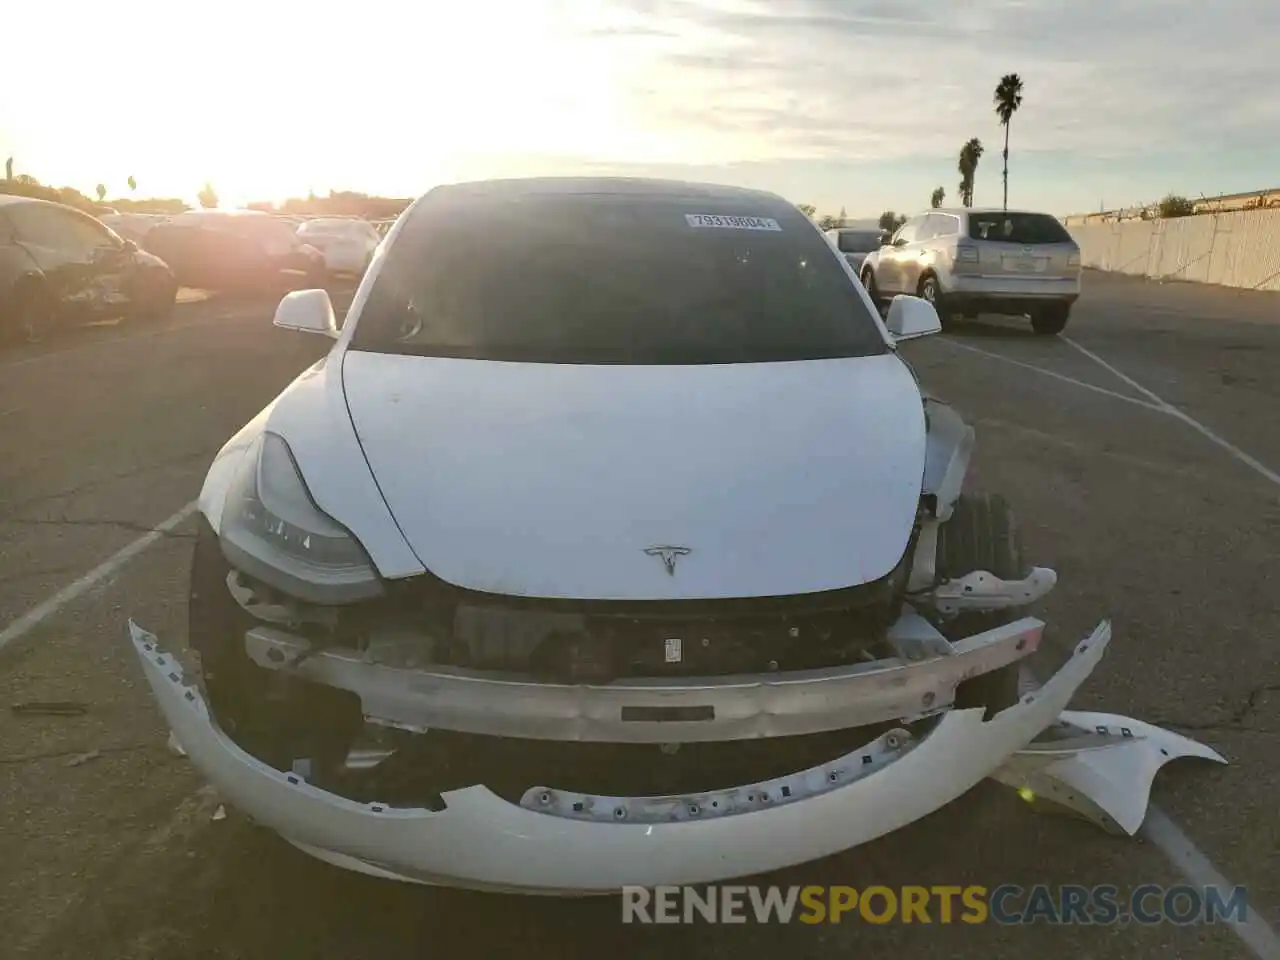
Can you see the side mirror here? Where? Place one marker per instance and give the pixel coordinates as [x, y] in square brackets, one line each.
[307, 311]
[911, 317]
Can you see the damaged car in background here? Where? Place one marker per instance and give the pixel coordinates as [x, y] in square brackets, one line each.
[613, 542]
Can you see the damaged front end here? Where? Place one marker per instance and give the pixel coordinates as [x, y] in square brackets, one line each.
[442, 739]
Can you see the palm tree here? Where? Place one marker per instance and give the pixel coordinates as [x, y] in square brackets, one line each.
[939, 195]
[133, 184]
[102, 192]
[208, 197]
[1008, 98]
[970, 154]
[890, 221]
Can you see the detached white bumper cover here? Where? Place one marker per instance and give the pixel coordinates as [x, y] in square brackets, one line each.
[567, 844]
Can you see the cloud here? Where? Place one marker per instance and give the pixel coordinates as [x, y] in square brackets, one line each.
[856, 80]
[832, 101]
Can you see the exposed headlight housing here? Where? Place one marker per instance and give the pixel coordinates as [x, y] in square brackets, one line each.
[272, 530]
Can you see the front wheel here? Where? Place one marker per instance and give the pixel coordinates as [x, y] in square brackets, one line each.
[981, 534]
[31, 317]
[159, 301]
[931, 293]
[1050, 320]
[869, 281]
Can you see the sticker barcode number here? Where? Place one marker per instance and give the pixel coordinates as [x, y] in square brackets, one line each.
[731, 223]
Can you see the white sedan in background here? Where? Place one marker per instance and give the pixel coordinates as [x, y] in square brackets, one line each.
[347, 244]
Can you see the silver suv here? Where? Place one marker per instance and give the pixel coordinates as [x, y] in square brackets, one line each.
[968, 262]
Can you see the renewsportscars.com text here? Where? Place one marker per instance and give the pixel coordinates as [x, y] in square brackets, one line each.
[1007, 904]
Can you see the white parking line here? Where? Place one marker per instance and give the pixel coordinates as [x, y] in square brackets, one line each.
[1195, 866]
[1057, 376]
[1173, 411]
[42, 611]
[1256, 934]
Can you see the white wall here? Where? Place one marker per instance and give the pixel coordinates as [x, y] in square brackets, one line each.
[1233, 249]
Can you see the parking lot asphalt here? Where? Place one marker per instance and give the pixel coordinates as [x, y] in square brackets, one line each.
[1141, 453]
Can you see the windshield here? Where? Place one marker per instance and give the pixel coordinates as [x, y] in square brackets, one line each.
[614, 279]
[859, 241]
[1017, 228]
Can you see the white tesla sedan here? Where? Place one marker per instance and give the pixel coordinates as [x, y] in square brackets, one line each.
[347, 243]
[613, 543]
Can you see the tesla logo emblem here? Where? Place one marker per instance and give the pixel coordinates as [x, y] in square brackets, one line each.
[669, 556]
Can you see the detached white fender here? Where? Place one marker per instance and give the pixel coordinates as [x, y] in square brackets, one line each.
[1099, 766]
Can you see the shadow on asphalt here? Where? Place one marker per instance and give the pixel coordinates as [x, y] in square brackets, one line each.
[193, 304]
[1011, 328]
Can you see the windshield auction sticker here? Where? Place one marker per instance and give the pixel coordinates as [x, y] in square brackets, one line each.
[732, 223]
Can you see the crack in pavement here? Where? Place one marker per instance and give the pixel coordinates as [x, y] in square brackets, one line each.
[96, 522]
[58, 754]
[1236, 721]
[36, 574]
[15, 505]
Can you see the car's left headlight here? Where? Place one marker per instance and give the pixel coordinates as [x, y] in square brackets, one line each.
[272, 530]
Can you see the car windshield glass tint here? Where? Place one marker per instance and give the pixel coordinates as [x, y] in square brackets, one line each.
[614, 279]
[859, 242]
[1017, 228]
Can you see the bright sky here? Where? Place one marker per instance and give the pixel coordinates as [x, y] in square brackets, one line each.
[861, 104]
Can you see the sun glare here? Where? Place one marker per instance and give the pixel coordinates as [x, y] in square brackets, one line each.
[269, 101]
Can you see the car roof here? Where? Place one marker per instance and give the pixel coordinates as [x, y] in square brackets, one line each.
[11, 199]
[15, 199]
[968, 211]
[223, 213]
[189, 218]
[609, 186]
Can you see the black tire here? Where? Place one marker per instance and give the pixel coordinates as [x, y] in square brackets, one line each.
[1050, 320]
[869, 281]
[981, 534]
[31, 316]
[931, 291]
[159, 301]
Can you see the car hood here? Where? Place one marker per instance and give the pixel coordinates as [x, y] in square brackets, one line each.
[562, 481]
